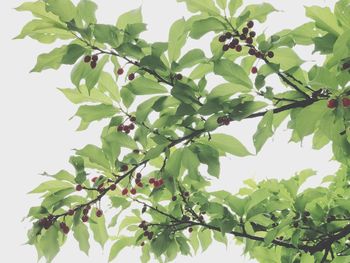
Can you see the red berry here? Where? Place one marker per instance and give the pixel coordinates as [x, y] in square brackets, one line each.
[94, 58]
[232, 45]
[226, 122]
[156, 184]
[65, 230]
[131, 76]
[179, 76]
[249, 40]
[79, 187]
[245, 30]
[87, 59]
[127, 129]
[120, 128]
[120, 71]
[93, 64]
[242, 37]
[99, 213]
[235, 41]
[252, 34]
[251, 52]
[346, 102]
[140, 184]
[63, 225]
[152, 181]
[250, 24]
[70, 212]
[85, 211]
[124, 168]
[125, 191]
[137, 180]
[94, 179]
[131, 126]
[161, 182]
[85, 218]
[332, 104]
[228, 35]
[138, 175]
[238, 48]
[190, 229]
[113, 187]
[254, 70]
[133, 191]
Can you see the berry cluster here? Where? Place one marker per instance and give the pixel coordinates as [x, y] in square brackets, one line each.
[46, 222]
[156, 183]
[224, 120]
[127, 128]
[333, 103]
[146, 233]
[92, 60]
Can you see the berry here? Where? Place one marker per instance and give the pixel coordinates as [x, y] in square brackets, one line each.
[70, 212]
[79, 187]
[235, 41]
[150, 235]
[120, 71]
[94, 179]
[125, 191]
[226, 122]
[332, 104]
[133, 119]
[85, 218]
[251, 52]
[190, 230]
[228, 35]
[113, 187]
[94, 58]
[245, 30]
[63, 225]
[142, 244]
[249, 40]
[65, 230]
[238, 48]
[131, 76]
[220, 120]
[222, 38]
[270, 54]
[225, 47]
[127, 129]
[346, 102]
[93, 64]
[174, 198]
[178, 76]
[87, 59]
[252, 34]
[140, 184]
[152, 181]
[242, 37]
[161, 182]
[346, 66]
[138, 180]
[99, 213]
[136, 151]
[138, 175]
[120, 127]
[258, 54]
[156, 184]
[254, 70]
[250, 24]
[131, 126]
[186, 194]
[85, 211]
[124, 168]
[232, 45]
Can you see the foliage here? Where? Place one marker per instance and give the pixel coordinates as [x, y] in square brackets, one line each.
[169, 123]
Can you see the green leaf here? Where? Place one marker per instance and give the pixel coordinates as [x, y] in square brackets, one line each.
[79, 166]
[256, 12]
[122, 139]
[144, 109]
[51, 186]
[145, 86]
[92, 113]
[118, 246]
[95, 155]
[226, 90]
[161, 243]
[48, 243]
[205, 239]
[232, 73]
[52, 60]
[177, 39]
[201, 27]
[323, 78]
[81, 234]
[324, 19]
[86, 11]
[153, 62]
[264, 131]
[222, 4]
[305, 33]
[234, 5]
[173, 164]
[73, 53]
[98, 227]
[107, 34]
[228, 144]
[82, 94]
[286, 58]
[191, 58]
[342, 13]
[130, 17]
[65, 9]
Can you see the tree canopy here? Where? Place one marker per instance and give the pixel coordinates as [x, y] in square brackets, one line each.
[163, 144]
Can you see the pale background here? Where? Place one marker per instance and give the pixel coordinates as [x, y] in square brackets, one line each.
[36, 136]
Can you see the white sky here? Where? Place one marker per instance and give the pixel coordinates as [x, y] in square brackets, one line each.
[36, 135]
